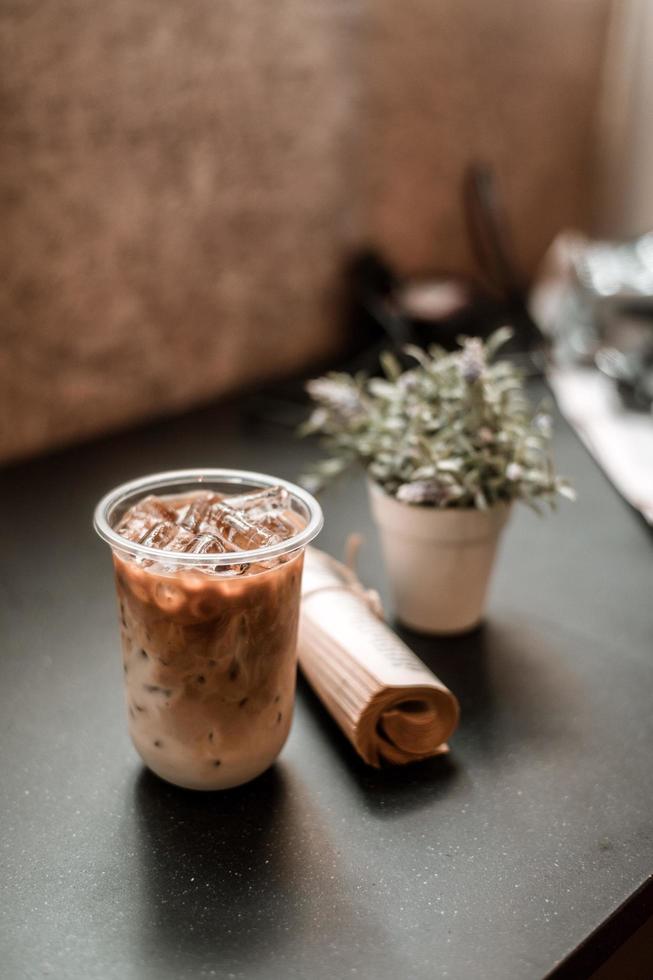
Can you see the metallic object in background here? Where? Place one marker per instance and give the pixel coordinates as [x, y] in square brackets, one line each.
[619, 270]
[632, 372]
[607, 299]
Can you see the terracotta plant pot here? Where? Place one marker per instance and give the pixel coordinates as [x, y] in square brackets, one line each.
[439, 561]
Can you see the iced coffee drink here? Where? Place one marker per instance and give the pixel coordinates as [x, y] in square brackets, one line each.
[208, 570]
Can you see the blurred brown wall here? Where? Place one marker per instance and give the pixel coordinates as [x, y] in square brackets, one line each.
[513, 82]
[179, 183]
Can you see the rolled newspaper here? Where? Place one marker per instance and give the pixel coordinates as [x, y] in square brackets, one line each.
[389, 705]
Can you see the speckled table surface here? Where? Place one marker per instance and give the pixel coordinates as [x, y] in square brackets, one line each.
[498, 861]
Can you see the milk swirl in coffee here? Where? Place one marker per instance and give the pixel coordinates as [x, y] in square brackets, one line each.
[209, 653]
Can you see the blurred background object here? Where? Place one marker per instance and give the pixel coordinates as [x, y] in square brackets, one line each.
[437, 308]
[594, 300]
[182, 187]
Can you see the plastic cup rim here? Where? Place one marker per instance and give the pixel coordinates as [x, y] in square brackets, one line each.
[238, 478]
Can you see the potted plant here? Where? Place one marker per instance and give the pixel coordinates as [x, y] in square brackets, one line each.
[447, 447]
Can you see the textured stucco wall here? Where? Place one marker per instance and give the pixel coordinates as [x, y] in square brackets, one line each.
[180, 181]
[175, 187]
[512, 82]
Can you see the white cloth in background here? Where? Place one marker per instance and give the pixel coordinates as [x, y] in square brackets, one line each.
[621, 441]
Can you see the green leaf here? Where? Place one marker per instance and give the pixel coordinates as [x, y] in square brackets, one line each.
[418, 354]
[565, 489]
[496, 340]
[383, 389]
[428, 422]
[390, 365]
[451, 465]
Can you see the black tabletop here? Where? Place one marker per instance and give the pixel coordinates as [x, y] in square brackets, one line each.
[532, 839]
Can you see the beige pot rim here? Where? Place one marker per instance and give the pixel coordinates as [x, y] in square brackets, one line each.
[454, 524]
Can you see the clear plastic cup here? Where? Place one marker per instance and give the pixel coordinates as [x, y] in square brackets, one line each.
[208, 641]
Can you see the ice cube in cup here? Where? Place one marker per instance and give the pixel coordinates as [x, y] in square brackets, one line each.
[195, 513]
[209, 603]
[237, 527]
[268, 509]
